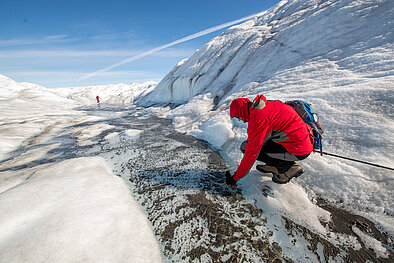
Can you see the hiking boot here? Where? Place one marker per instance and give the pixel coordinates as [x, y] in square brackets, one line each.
[267, 169]
[282, 178]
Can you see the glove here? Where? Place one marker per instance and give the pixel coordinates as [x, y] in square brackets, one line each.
[230, 181]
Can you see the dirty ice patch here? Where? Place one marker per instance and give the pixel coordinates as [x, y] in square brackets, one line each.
[113, 138]
[22, 128]
[77, 209]
[290, 199]
[216, 131]
[29, 156]
[294, 201]
[133, 133]
[371, 243]
[83, 135]
[9, 179]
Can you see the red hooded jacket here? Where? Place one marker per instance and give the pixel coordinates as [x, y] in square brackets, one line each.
[270, 120]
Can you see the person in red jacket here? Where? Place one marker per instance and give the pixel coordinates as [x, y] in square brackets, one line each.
[277, 136]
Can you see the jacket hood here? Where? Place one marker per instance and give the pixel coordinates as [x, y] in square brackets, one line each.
[241, 108]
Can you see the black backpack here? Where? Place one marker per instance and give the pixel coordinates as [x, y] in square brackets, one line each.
[303, 109]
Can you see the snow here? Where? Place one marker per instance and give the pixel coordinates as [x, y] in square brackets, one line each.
[337, 55]
[371, 243]
[133, 133]
[74, 210]
[83, 136]
[110, 94]
[216, 130]
[28, 109]
[77, 210]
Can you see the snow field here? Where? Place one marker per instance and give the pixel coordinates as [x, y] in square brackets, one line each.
[75, 210]
[337, 55]
[78, 210]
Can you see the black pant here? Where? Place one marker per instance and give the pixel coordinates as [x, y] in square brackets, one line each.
[274, 154]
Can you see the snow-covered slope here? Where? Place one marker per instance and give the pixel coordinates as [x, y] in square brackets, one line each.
[36, 103]
[340, 36]
[121, 94]
[63, 210]
[338, 55]
[72, 211]
[21, 94]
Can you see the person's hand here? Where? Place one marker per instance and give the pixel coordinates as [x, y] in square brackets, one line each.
[230, 181]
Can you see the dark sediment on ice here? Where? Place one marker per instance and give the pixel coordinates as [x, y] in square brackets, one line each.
[178, 182]
[196, 218]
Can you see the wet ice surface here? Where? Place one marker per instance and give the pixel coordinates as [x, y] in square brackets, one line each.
[177, 180]
[61, 202]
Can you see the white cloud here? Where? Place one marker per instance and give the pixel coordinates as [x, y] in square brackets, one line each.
[51, 79]
[63, 53]
[152, 51]
[55, 37]
[37, 53]
[119, 73]
[35, 41]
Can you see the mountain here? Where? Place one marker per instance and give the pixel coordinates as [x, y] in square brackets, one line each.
[34, 102]
[38, 102]
[110, 94]
[33, 95]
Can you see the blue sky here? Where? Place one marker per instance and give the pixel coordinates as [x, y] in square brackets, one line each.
[59, 43]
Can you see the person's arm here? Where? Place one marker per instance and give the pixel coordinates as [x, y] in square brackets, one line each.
[256, 136]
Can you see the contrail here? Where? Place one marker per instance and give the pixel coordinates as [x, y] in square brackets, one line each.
[149, 52]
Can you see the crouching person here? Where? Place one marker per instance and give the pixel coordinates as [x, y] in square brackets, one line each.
[277, 136]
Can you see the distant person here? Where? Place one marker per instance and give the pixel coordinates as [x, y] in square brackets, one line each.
[277, 136]
[98, 99]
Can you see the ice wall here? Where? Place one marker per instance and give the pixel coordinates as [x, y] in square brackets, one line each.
[289, 35]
